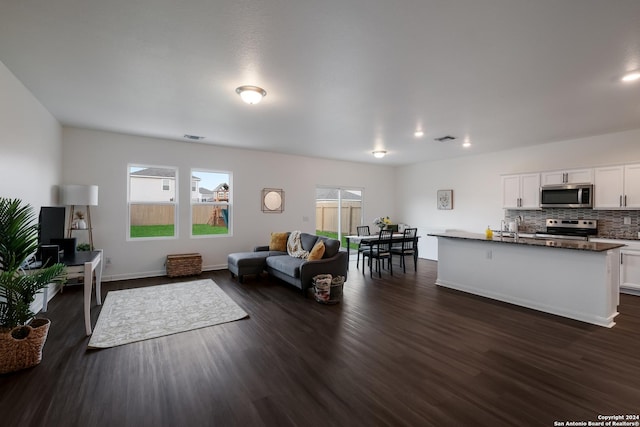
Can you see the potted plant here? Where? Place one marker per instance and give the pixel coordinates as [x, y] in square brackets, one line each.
[83, 247]
[80, 223]
[22, 336]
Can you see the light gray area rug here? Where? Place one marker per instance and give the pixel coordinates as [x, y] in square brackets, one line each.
[139, 314]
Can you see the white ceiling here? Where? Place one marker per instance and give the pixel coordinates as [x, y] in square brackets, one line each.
[343, 77]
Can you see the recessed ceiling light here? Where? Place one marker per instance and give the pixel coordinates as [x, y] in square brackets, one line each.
[631, 77]
[466, 144]
[418, 134]
[251, 94]
[378, 154]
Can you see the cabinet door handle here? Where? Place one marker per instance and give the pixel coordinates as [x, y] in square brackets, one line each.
[625, 200]
[621, 200]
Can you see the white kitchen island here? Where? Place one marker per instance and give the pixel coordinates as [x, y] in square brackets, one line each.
[574, 279]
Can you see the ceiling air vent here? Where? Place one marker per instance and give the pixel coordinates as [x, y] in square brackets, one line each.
[445, 138]
[193, 137]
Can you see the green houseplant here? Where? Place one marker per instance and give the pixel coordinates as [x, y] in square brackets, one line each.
[22, 336]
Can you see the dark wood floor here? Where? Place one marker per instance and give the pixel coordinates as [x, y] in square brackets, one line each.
[397, 351]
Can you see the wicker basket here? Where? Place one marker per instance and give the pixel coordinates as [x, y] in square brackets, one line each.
[184, 265]
[24, 351]
[328, 289]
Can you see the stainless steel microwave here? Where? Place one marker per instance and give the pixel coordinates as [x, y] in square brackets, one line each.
[566, 196]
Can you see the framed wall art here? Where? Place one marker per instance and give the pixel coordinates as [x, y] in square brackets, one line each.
[445, 199]
[272, 200]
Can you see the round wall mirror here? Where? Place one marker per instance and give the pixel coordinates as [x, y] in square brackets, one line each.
[272, 200]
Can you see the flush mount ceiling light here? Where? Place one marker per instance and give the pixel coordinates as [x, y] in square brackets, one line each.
[251, 94]
[378, 154]
[631, 76]
[418, 134]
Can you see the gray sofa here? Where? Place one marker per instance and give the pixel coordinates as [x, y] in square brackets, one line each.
[300, 272]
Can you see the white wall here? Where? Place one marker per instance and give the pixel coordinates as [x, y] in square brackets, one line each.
[475, 181]
[101, 158]
[30, 145]
[30, 149]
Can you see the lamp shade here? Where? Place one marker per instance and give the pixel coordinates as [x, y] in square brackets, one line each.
[79, 195]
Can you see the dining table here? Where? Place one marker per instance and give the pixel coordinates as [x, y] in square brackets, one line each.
[395, 238]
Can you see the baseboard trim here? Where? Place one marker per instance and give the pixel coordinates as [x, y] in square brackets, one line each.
[155, 273]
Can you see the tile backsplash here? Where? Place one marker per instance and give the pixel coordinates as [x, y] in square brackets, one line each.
[610, 223]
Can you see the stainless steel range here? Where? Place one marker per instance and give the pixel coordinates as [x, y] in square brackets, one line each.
[573, 229]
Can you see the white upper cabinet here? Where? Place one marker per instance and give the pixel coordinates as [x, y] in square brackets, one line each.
[571, 176]
[617, 187]
[632, 186]
[521, 191]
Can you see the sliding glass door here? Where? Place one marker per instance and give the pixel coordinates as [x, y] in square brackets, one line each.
[338, 211]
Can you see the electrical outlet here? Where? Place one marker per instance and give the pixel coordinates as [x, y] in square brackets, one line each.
[626, 220]
[489, 254]
[108, 261]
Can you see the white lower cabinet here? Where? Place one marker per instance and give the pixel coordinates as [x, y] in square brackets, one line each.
[630, 269]
[629, 264]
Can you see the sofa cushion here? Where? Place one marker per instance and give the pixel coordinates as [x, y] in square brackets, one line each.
[308, 241]
[278, 242]
[286, 264]
[331, 246]
[317, 251]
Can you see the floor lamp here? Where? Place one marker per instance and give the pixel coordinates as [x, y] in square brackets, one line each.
[80, 195]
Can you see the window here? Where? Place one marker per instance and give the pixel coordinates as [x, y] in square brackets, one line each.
[152, 201]
[211, 207]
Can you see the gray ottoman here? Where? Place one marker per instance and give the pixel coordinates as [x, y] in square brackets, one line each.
[242, 263]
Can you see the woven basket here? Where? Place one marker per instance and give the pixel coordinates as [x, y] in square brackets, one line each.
[184, 265]
[328, 289]
[21, 353]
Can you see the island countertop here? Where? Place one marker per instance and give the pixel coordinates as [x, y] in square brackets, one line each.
[529, 241]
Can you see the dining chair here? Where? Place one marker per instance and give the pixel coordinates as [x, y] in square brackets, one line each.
[362, 230]
[379, 249]
[409, 247]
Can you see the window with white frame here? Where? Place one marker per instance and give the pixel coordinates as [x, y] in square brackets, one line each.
[152, 201]
[211, 206]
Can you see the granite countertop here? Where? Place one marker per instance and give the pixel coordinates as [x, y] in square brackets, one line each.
[529, 241]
